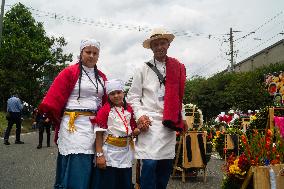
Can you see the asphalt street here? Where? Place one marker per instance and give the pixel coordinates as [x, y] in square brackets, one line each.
[22, 166]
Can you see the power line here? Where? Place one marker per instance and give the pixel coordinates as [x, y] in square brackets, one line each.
[260, 37]
[112, 25]
[204, 66]
[252, 49]
[258, 28]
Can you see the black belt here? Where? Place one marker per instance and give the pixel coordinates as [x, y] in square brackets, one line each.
[80, 110]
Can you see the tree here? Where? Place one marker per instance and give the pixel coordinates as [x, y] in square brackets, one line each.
[224, 91]
[29, 59]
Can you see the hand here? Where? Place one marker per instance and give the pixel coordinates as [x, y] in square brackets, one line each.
[101, 162]
[136, 132]
[143, 123]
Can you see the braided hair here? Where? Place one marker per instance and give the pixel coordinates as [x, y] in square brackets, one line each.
[97, 77]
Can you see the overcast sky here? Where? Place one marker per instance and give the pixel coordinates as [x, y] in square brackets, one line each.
[116, 25]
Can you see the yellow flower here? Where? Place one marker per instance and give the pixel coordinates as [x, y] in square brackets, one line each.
[235, 170]
[252, 117]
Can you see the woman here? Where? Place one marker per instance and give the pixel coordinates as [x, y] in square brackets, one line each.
[76, 94]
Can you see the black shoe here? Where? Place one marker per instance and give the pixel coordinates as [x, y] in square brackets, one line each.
[39, 147]
[6, 142]
[48, 145]
[19, 142]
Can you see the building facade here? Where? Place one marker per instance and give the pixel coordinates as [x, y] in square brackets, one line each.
[270, 55]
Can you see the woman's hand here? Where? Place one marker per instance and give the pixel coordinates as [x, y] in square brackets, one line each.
[101, 162]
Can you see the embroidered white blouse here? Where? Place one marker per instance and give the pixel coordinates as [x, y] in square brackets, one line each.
[119, 157]
[82, 140]
[158, 142]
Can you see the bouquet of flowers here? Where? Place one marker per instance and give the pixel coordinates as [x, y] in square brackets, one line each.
[259, 150]
[235, 171]
[219, 140]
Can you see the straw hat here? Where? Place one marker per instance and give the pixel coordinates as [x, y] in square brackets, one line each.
[158, 33]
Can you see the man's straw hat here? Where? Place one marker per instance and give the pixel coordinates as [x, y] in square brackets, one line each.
[158, 33]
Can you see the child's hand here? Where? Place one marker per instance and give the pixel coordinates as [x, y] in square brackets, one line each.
[143, 123]
[136, 132]
[101, 162]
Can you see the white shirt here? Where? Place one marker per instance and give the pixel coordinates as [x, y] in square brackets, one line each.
[159, 141]
[119, 157]
[82, 140]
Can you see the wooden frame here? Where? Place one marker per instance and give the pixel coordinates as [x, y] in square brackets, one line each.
[196, 160]
[261, 178]
[229, 144]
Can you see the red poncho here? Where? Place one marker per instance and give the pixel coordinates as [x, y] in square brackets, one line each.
[58, 94]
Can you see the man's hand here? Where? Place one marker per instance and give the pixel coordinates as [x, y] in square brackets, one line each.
[143, 123]
[101, 162]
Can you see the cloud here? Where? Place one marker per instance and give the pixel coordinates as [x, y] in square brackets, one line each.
[121, 26]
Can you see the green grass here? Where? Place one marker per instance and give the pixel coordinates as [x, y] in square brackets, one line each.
[26, 125]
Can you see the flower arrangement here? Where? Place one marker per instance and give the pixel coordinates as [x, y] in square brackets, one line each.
[219, 140]
[235, 171]
[259, 150]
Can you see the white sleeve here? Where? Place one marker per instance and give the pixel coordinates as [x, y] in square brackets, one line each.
[135, 94]
[97, 128]
[183, 113]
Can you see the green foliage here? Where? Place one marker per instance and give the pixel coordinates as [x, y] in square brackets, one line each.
[26, 124]
[224, 91]
[29, 59]
[231, 183]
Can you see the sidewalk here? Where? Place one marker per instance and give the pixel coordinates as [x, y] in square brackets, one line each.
[22, 166]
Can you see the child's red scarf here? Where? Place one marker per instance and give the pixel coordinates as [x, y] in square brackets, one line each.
[102, 117]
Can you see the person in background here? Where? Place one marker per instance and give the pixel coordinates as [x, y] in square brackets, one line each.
[115, 128]
[156, 96]
[77, 93]
[14, 116]
[43, 123]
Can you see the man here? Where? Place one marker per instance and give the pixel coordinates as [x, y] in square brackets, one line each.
[156, 96]
[14, 112]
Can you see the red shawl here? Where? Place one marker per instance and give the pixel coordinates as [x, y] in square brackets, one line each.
[174, 90]
[58, 94]
[102, 117]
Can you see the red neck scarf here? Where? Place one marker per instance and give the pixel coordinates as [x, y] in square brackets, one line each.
[174, 90]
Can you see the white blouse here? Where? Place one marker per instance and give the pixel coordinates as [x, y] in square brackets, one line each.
[158, 142]
[119, 157]
[82, 140]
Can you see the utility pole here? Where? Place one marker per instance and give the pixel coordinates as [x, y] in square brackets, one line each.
[231, 50]
[1, 20]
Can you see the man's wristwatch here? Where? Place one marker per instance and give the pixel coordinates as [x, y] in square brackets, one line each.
[99, 154]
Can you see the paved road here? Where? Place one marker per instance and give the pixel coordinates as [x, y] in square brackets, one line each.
[25, 167]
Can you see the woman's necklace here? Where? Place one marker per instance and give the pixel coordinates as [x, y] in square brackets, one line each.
[96, 85]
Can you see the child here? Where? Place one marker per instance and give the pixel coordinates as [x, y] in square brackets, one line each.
[115, 128]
